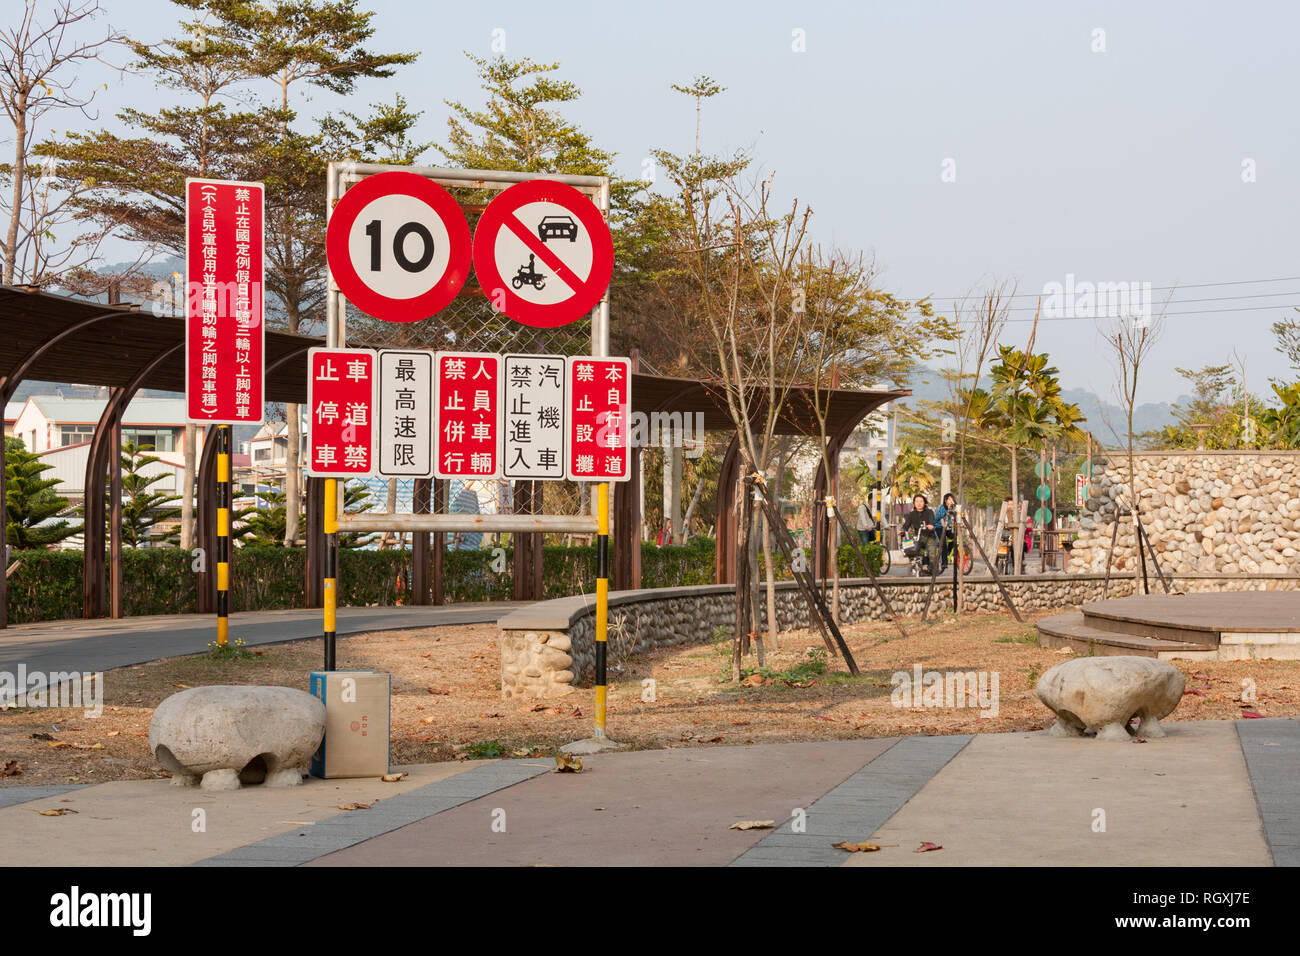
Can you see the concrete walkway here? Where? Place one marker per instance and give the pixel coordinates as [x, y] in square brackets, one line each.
[1183, 800]
[1213, 793]
[99, 644]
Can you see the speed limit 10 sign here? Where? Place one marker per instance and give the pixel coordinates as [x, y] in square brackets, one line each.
[398, 246]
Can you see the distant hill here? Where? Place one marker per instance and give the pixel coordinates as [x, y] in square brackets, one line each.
[1105, 417]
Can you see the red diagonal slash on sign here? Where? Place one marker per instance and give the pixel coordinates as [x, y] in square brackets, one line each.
[500, 214]
[543, 252]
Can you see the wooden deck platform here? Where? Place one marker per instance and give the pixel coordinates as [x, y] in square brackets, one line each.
[1223, 625]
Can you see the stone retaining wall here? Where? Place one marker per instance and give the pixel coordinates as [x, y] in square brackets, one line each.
[549, 648]
[1225, 512]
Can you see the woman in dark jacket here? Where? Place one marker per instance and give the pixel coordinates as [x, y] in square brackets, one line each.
[920, 522]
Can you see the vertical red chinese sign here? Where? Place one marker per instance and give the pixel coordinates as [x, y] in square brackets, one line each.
[600, 390]
[466, 443]
[224, 327]
[341, 403]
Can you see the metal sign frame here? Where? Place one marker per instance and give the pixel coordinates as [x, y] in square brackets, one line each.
[342, 175]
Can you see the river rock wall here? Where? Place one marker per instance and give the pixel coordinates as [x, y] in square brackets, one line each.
[1207, 512]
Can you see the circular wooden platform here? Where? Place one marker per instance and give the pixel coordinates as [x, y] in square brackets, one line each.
[1218, 612]
[1218, 625]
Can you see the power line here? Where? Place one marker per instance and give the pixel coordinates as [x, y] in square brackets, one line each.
[1154, 288]
[1212, 298]
[1091, 318]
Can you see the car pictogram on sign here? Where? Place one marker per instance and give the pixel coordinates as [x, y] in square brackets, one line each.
[543, 253]
[557, 227]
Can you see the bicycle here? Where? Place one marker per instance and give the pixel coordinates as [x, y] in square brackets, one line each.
[964, 558]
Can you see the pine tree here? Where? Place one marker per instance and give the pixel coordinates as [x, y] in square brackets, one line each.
[31, 500]
[356, 499]
[143, 509]
[263, 526]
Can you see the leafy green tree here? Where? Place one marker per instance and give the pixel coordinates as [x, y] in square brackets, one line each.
[30, 501]
[225, 51]
[1215, 413]
[1287, 332]
[356, 499]
[521, 127]
[909, 476]
[1281, 425]
[264, 524]
[143, 509]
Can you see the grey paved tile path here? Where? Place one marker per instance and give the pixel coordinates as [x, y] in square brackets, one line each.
[99, 645]
[348, 829]
[857, 807]
[1271, 747]
[13, 796]
[640, 808]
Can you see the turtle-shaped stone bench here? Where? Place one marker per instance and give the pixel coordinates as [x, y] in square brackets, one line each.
[1103, 694]
[227, 736]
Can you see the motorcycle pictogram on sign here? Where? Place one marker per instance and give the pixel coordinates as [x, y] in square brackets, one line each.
[543, 253]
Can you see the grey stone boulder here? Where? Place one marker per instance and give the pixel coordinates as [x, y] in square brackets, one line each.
[228, 736]
[1103, 694]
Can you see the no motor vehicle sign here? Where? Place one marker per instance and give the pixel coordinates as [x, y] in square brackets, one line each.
[543, 254]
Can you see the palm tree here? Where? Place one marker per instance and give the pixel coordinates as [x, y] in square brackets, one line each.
[909, 475]
[1024, 408]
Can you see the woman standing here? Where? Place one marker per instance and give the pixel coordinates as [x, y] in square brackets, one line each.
[945, 520]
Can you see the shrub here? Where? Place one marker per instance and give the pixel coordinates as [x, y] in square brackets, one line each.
[47, 585]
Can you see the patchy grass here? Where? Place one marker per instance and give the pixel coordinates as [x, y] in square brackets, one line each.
[446, 695]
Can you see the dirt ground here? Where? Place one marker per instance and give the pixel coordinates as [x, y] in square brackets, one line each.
[447, 704]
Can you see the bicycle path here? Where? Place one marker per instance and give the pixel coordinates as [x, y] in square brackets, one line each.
[89, 646]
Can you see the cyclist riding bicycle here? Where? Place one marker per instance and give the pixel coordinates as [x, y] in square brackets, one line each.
[918, 533]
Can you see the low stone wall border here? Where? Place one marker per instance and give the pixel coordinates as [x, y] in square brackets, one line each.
[548, 648]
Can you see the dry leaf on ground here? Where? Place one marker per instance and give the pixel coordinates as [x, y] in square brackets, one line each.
[927, 847]
[393, 777]
[354, 806]
[567, 763]
[857, 847]
[752, 825]
[55, 813]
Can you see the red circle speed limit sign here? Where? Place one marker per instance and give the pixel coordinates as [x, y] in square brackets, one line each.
[543, 254]
[398, 246]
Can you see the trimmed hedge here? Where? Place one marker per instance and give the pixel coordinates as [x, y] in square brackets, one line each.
[47, 585]
[847, 561]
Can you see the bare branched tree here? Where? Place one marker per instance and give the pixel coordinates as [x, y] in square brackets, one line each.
[41, 57]
[1130, 340]
[736, 282]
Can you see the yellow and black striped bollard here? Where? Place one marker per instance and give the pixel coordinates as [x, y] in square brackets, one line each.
[331, 567]
[602, 603]
[223, 535]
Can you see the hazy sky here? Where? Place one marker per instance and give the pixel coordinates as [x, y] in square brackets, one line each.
[1117, 166]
